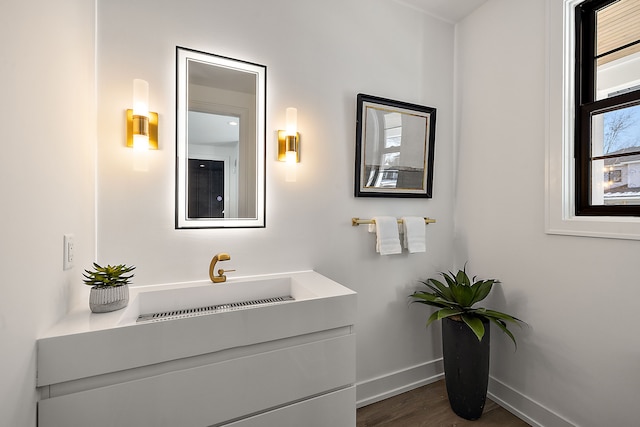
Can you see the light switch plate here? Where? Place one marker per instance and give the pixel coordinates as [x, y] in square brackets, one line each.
[68, 252]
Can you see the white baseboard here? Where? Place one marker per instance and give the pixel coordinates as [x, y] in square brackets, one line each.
[398, 382]
[524, 407]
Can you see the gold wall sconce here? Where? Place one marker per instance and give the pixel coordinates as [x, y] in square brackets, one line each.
[142, 125]
[289, 144]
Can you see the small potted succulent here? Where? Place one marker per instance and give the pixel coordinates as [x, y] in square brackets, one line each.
[465, 336]
[109, 287]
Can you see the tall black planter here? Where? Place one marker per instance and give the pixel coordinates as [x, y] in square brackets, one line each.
[466, 367]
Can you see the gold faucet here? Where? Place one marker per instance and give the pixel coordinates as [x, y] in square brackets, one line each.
[222, 256]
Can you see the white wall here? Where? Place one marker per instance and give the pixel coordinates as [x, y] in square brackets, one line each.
[319, 55]
[47, 135]
[578, 360]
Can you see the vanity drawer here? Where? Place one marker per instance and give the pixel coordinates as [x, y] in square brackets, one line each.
[211, 394]
[337, 409]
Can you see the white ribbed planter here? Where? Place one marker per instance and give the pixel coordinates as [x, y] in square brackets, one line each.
[108, 298]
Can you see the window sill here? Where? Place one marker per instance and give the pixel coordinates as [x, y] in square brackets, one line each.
[603, 227]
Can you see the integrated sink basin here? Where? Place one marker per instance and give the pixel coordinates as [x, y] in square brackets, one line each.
[82, 343]
[204, 298]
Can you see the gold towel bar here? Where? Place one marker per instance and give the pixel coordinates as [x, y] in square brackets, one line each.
[358, 221]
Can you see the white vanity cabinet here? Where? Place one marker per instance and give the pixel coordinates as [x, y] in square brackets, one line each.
[290, 364]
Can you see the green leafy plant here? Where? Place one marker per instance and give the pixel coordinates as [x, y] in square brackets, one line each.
[111, 275]
[456, 298]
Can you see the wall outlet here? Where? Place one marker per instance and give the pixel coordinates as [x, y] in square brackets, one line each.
[68, 252]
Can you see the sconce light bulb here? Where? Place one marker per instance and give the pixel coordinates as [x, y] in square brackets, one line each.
[290, 173]
[292, 121]
[140, 142]
[140, 98]
[140, 150]
[291, 157]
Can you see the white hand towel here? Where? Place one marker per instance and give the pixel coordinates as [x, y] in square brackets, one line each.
[414, 234]
[387, 235]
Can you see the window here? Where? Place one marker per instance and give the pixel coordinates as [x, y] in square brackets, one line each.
[607, 108]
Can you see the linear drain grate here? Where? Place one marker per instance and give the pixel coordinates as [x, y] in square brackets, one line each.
[211, 309]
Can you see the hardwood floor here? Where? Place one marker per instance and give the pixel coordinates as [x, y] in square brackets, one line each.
[429, 406]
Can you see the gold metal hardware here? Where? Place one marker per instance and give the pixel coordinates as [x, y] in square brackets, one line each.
[357, 221]
[222, 256]
[140, 125]
[137, 125]
[288, 143]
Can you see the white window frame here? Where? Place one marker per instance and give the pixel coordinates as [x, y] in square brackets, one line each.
[560, 215]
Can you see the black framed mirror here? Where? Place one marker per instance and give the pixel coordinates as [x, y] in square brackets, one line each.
[394, 148]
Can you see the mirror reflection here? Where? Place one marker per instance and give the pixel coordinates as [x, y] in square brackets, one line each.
[220, 141]
[212, 153]
[388, 162]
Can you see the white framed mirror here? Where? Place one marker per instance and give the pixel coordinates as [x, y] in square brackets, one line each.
[220, 141]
